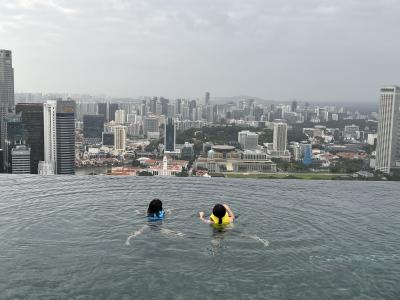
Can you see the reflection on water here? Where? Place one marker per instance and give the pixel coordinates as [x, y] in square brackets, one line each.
[87, 237]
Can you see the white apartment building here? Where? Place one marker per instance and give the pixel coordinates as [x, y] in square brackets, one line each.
[50, 133]
[248, 140]
[388, 141]
[119, 138]
[280, 137]
[120, 116]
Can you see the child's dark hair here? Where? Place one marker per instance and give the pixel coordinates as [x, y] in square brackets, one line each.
[219, 211]
[155, 207]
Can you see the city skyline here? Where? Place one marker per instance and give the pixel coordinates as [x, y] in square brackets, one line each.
[310, 50]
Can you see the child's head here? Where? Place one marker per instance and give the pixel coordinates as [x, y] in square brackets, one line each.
[219, 211]
[155, 207]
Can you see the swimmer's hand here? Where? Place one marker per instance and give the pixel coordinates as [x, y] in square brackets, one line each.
[230, 212]
[201, 215]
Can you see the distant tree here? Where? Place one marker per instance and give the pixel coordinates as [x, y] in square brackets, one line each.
[395, 175]
[369, 148]
[345, 165]
[153, 146]
[182, 173]
[135, 163]
[145, 173]
[266, 136]
[296, 135]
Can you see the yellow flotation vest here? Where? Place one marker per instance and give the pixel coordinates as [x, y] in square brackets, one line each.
[225, 220]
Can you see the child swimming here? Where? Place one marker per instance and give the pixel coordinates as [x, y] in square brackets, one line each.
[221, 215]
[155, 212]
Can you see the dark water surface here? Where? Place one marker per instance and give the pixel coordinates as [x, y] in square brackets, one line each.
[65, 238]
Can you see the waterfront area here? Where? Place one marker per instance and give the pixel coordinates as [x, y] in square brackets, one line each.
[294, 239]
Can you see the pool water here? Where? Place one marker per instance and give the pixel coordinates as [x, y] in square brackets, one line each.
[87, 237]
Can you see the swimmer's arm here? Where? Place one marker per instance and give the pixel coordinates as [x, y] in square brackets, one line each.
[201, 215]
[230, 213]
[135, 234]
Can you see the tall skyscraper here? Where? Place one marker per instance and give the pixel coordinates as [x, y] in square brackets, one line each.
[103, 110]
[280, 137]
[112, 108]
[50, 138]
[21, 158]
[164, 106]
[207, 99]
[6, 80]
[16, 134]
[119, 138]
[150, 124]
[32, 118]
[294, 106]
[120, 116]
[388, 142]
[93, 128]
[178, 106]
[65, 131]
[108, 139]
[59, 138]
[169, 135]
[6, 96]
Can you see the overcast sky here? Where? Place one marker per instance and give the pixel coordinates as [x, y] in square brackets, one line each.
[313, 50]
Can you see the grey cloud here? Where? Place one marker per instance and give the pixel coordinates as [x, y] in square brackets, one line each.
[311, 49]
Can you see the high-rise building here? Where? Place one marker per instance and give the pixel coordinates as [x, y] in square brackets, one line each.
[65, 131]
[16, 134]
[93, 128]
[388, 142]
[178, 106]
[6, 80]
[280, 137]
[207, 99]
[6, 95]
[210, 113]
[119, 138]
[102, 109]
[108, 139]
[1, 160]
[307, 154]
[248, 140]
[164, 106]
[120, 116]
[32, 118]
[85, 108]
[170, 135]
[21, 159]
[150, 124]
[112, 108]
[107, 110]
[50, 136]
[294, 106]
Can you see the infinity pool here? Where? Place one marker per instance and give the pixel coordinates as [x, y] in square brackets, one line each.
[67, 237]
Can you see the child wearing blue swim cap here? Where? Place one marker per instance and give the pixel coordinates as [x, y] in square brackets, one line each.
[155, 211]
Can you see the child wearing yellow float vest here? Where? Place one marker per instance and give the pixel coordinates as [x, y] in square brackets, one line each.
[221, 215]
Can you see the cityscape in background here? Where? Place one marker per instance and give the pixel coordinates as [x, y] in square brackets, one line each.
[63, 134]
